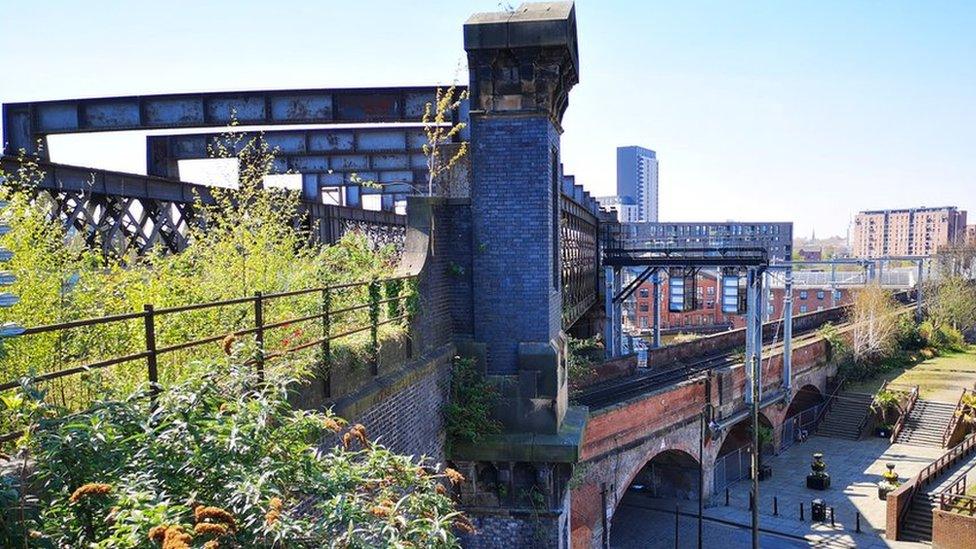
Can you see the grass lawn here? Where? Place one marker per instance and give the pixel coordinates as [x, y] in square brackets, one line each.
[941, 378]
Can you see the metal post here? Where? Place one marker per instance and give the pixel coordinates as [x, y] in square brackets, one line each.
[326, 342]
[676, 517]
[259, 333]
[152, 367]
[880, 273]
[657, 307]
[857, 522]
[775, 506]
[701, 471]
[756, 366]
[788, 331]
[608, 327]
[750, 330]
[374, 319]
[618, 320]
[918, 294]
[801, 511]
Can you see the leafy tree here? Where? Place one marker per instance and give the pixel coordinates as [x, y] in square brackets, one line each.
[875, 324]
[952, 302]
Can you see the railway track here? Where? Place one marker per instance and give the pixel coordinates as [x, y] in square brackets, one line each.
[621, 390]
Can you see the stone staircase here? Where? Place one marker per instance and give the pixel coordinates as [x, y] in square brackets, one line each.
[846, 415]
[926, 423]
[918, 522]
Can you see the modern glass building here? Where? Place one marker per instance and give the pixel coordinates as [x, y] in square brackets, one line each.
[637, 179]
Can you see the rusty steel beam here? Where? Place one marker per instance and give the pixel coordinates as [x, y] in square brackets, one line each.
[392, 157]
[25, 123]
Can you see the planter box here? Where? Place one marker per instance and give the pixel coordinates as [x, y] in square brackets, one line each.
[817, 482]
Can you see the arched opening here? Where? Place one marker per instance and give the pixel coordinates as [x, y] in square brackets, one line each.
[671, 474]
[807, 397]
[668, 479]
[734, 461]
[801, 416]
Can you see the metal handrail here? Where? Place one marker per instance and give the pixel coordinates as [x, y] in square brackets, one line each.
[864, 420]
[954, 420]
[909, 406]
[829, 403]
[149, 315]
[937, 467]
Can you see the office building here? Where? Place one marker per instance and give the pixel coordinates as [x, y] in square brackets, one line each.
[907, 232]
[637, 179]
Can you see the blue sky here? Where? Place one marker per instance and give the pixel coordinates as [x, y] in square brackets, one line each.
[802, 111]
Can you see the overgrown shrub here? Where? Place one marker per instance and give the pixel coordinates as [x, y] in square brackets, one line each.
[245, 242]
[943, 337]
[222, 459]
[582, 355]
[468, 414]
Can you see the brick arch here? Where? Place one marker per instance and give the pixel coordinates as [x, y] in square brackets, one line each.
[773, 418]
[620, 471]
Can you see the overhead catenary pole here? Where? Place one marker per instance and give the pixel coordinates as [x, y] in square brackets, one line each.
[657, 307]
[755, 365]
[788, 330]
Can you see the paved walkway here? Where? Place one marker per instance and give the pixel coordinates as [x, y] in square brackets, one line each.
[855, 468]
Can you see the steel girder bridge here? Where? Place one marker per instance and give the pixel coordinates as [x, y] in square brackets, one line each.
[380, 142]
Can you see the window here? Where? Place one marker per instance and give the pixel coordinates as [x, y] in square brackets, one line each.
[821, 294]
[643, 322]
[803, 294]
[644, 307]
[711, 290]
[837, 295]
[803, 308]
[644, 292]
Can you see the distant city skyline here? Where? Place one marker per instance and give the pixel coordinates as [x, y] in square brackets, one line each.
[761, 109]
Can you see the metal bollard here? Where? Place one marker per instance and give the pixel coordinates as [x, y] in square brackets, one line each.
[726, 497]
[801, 511]
[775, 506]
[831, 517]
[857, 522]
[676, 546]
[752, 501]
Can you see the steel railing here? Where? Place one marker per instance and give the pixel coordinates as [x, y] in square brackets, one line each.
[909, 406]
[327, 315]
[934, 469]
[954, 420]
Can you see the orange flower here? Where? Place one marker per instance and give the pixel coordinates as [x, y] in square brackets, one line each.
[453, 476]
[381, 511]
[274, 513]
[347, 440]
[212, 544]
[176, 538]
[463, 524]
[440, 489]
[228, 344]
[331, 425]
[158, 533]
[216, 514]
[212, 528]
[90, 489]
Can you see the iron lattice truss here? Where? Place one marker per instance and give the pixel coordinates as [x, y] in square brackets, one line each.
[578, 235]
[118, 224]
[122, 213]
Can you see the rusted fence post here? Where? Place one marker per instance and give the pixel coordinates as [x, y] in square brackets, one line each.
[374, 321]
[259, 333]
[326, 343]
[149, 321]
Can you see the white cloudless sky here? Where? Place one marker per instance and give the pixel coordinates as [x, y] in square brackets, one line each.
[803, 112]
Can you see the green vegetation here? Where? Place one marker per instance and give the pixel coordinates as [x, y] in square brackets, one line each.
[221, 459]
[583, 355]
[246, 242]
[468, 415]
[885, 402]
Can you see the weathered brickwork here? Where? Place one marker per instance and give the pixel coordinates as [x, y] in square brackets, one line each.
[520, 529]
[620, 440]
[512, 208]
[405, 410]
